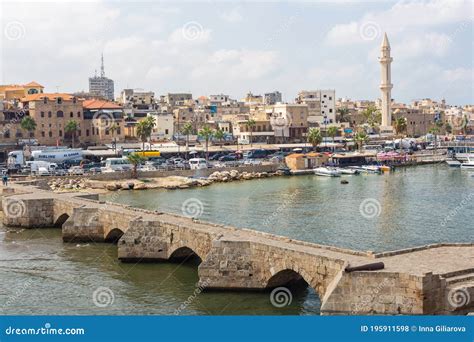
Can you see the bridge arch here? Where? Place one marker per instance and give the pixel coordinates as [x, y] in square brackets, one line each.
[286, 277]
[185, 253]
[61, 219]
[114, 235]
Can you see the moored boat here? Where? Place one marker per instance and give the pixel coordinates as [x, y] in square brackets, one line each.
[344, 171]
[371, 168]
[453, 162]
[327, 172]
[468, 165]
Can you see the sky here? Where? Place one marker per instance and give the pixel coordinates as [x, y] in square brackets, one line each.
[232, 47]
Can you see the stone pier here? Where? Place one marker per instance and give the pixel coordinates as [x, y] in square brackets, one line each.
[434, 279]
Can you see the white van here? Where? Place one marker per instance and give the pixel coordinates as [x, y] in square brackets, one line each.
[116, 164]
[197, 164]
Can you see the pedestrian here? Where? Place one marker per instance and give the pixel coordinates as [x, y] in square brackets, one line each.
[5, 179]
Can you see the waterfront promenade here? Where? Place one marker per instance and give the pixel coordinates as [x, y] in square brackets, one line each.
[424, 280]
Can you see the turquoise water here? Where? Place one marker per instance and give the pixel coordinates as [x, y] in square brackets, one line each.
[42, 275]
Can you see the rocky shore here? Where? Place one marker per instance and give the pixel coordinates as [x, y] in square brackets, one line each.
[172, 182]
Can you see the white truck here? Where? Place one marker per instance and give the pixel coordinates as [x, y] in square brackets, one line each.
[42, 168]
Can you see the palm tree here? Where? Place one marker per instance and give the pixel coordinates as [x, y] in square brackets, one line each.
[206, 132]
[400, 127]
[28, 124]
[343, 112]
[135, 159]
[145, 128]
[187, 130]
[360, 138]
[448, 128]
[72, 127]
[435, 130]
[219, 135]
[314, 137]
[250, 123]
[372, 116]
[332, 132]
[113, 129]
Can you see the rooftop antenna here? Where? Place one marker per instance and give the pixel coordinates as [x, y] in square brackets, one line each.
[95, 73]
[102, 69]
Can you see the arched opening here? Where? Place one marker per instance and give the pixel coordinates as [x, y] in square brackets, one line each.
[60, 220]
[114, 235]
[185, 254]
[287, 278]
[291, 289]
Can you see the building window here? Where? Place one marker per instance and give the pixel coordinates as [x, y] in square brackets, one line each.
[71, 114]
[78, 114]
[32, 134]
[60, 133]
[60, 114]
[42, 114]
[330, 110]
[166, 131]
[45, 99]
[87, 132]
[7, 134]
[49, 114]
[50, 134]
[42, 134]
[59, 100]
[19, 134]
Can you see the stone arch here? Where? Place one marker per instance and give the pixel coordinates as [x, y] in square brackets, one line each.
[114, 235]
[184, 254]
[61, 219]
[288, 278]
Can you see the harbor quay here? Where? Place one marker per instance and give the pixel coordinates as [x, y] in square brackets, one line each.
[425, 280]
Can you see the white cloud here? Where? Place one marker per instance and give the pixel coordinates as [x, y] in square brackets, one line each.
[233, 16]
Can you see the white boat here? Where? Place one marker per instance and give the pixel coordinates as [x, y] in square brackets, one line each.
[371, 168]
[461, 153]
[347, 171]
[453, 162]
[469, 165]
[327, 172]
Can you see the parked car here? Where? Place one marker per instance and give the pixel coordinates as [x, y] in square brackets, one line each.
[227, 158]
[198, 163]
[76, 171]
[257, 154]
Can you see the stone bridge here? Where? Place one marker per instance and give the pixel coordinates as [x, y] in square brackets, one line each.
[433, 279]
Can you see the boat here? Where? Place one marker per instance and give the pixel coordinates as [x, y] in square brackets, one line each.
[385, 168]
[371, 168]
[453, 162]
[460, 152]
[468, 165]
[327, 172]
[348, 171]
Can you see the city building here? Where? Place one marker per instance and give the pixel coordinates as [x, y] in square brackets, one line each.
[321, 106]
[14, 92]
[272, 98]
[289, 121]
[101, 86]
[99, 118]
[164, 126]
[176, 99]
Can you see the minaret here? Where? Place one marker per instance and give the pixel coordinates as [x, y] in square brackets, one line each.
[386, 86]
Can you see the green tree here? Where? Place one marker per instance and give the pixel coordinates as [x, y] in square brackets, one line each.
[135, 159]
[187, 130]
[448, 128]
[250, 123]
[343, 114]
[145, 128]
[435, 130]
[372, 116]
[28, 124]
[207, 133]
[360, 138]
[400, 126]
[314, 137]
[219, 135]
[72, 127]
[332, 132]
